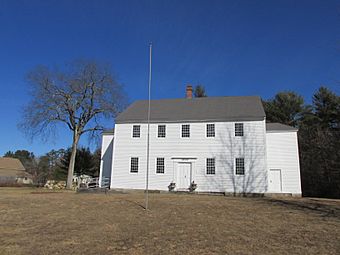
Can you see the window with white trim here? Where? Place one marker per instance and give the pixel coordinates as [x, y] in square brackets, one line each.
[160, 166]
[134, 165]
[239, 166]
[186, 130]
[161, 131]
[238, 129]
[210, 165]
[136, 131]
[210, 130]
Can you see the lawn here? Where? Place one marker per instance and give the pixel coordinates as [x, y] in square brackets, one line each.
[36, 221]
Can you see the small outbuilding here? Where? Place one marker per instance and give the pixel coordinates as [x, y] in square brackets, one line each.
[13, 171]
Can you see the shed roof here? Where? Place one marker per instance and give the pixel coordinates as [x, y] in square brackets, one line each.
[108, 131]
[195, 109]
[272, 127]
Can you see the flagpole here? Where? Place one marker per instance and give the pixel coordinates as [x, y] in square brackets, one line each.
[148, 136]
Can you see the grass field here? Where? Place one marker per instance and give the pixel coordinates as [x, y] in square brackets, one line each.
[35, 221]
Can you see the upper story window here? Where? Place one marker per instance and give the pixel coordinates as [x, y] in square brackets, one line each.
[185, 130]
[160, 166]
[161, 131]
[136, 131]
[134, 165]
[210, 165]
[238, 129]
[239, 166]
[210, 130]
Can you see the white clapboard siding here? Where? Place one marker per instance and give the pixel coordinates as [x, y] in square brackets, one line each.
[106, 156]
[282, 153]
[224, 147]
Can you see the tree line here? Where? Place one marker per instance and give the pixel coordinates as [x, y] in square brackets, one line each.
[54, 164]
[319, 137]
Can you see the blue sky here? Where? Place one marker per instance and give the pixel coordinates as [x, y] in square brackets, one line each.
[234, 47]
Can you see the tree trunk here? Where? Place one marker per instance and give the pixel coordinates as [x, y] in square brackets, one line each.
[72, 160]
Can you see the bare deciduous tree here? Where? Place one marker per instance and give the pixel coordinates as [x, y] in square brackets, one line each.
[80, 97]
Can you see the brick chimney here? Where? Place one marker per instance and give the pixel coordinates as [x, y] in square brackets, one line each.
[189, 91]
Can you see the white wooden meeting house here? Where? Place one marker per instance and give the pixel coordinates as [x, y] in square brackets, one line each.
[213, 144]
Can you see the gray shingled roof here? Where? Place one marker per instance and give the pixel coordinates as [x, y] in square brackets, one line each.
[279, 127]
[196, 109]
[108, 131]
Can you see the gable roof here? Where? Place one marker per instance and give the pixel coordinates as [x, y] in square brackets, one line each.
[240, 108]
[12, 167]
[11, 164]
[272, 127]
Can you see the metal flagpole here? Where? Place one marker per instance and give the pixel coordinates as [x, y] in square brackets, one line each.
[148, 137]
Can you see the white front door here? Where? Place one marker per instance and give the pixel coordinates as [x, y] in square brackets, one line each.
[274, 178]
[183, 176]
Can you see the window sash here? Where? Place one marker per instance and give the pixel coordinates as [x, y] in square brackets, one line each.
[210, 166]
[185, 130]
[136, 131]
[210, 130]
[134, 165]
[239, 129]
[239, 166]
[161, 131]
[160, 165]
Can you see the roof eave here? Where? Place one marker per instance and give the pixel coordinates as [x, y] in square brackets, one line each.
[233, 119]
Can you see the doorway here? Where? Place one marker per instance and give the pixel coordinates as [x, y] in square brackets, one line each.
[274, 181]
[183, 176]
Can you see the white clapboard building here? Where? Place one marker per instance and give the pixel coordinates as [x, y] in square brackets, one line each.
[221, 144]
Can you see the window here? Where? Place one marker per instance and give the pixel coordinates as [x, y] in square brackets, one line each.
[238, 129]
[136, 131]
[239, 166]
[134, 165]
[210, 130]
[161, 131]
[160, 166]
[185, 130]
[210, 165]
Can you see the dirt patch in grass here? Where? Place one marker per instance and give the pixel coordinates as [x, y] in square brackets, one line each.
[71, 223]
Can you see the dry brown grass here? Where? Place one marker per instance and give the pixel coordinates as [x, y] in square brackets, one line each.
[68, 223]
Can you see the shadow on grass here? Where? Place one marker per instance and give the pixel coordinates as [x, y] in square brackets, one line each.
[325, 208]
[135, 203]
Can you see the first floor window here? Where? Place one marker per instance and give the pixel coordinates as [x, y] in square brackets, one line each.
[134, 165]
[185, 130]
[210, 130]
[160, 166]
[238, 129]
[136, 131]
[210, 165]
[239, 166]
[161, 131]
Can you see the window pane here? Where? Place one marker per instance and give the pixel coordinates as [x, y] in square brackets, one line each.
[134, 165]
[239, 166]
[136, 131]
[161, 131]
[238, 129]
[160, 166]
[210, 130]
[210, 165]
[185, 130]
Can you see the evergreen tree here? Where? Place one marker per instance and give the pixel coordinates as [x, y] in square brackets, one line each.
[327, 108]
[285, 107]
[84, 163]
[199, 91]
